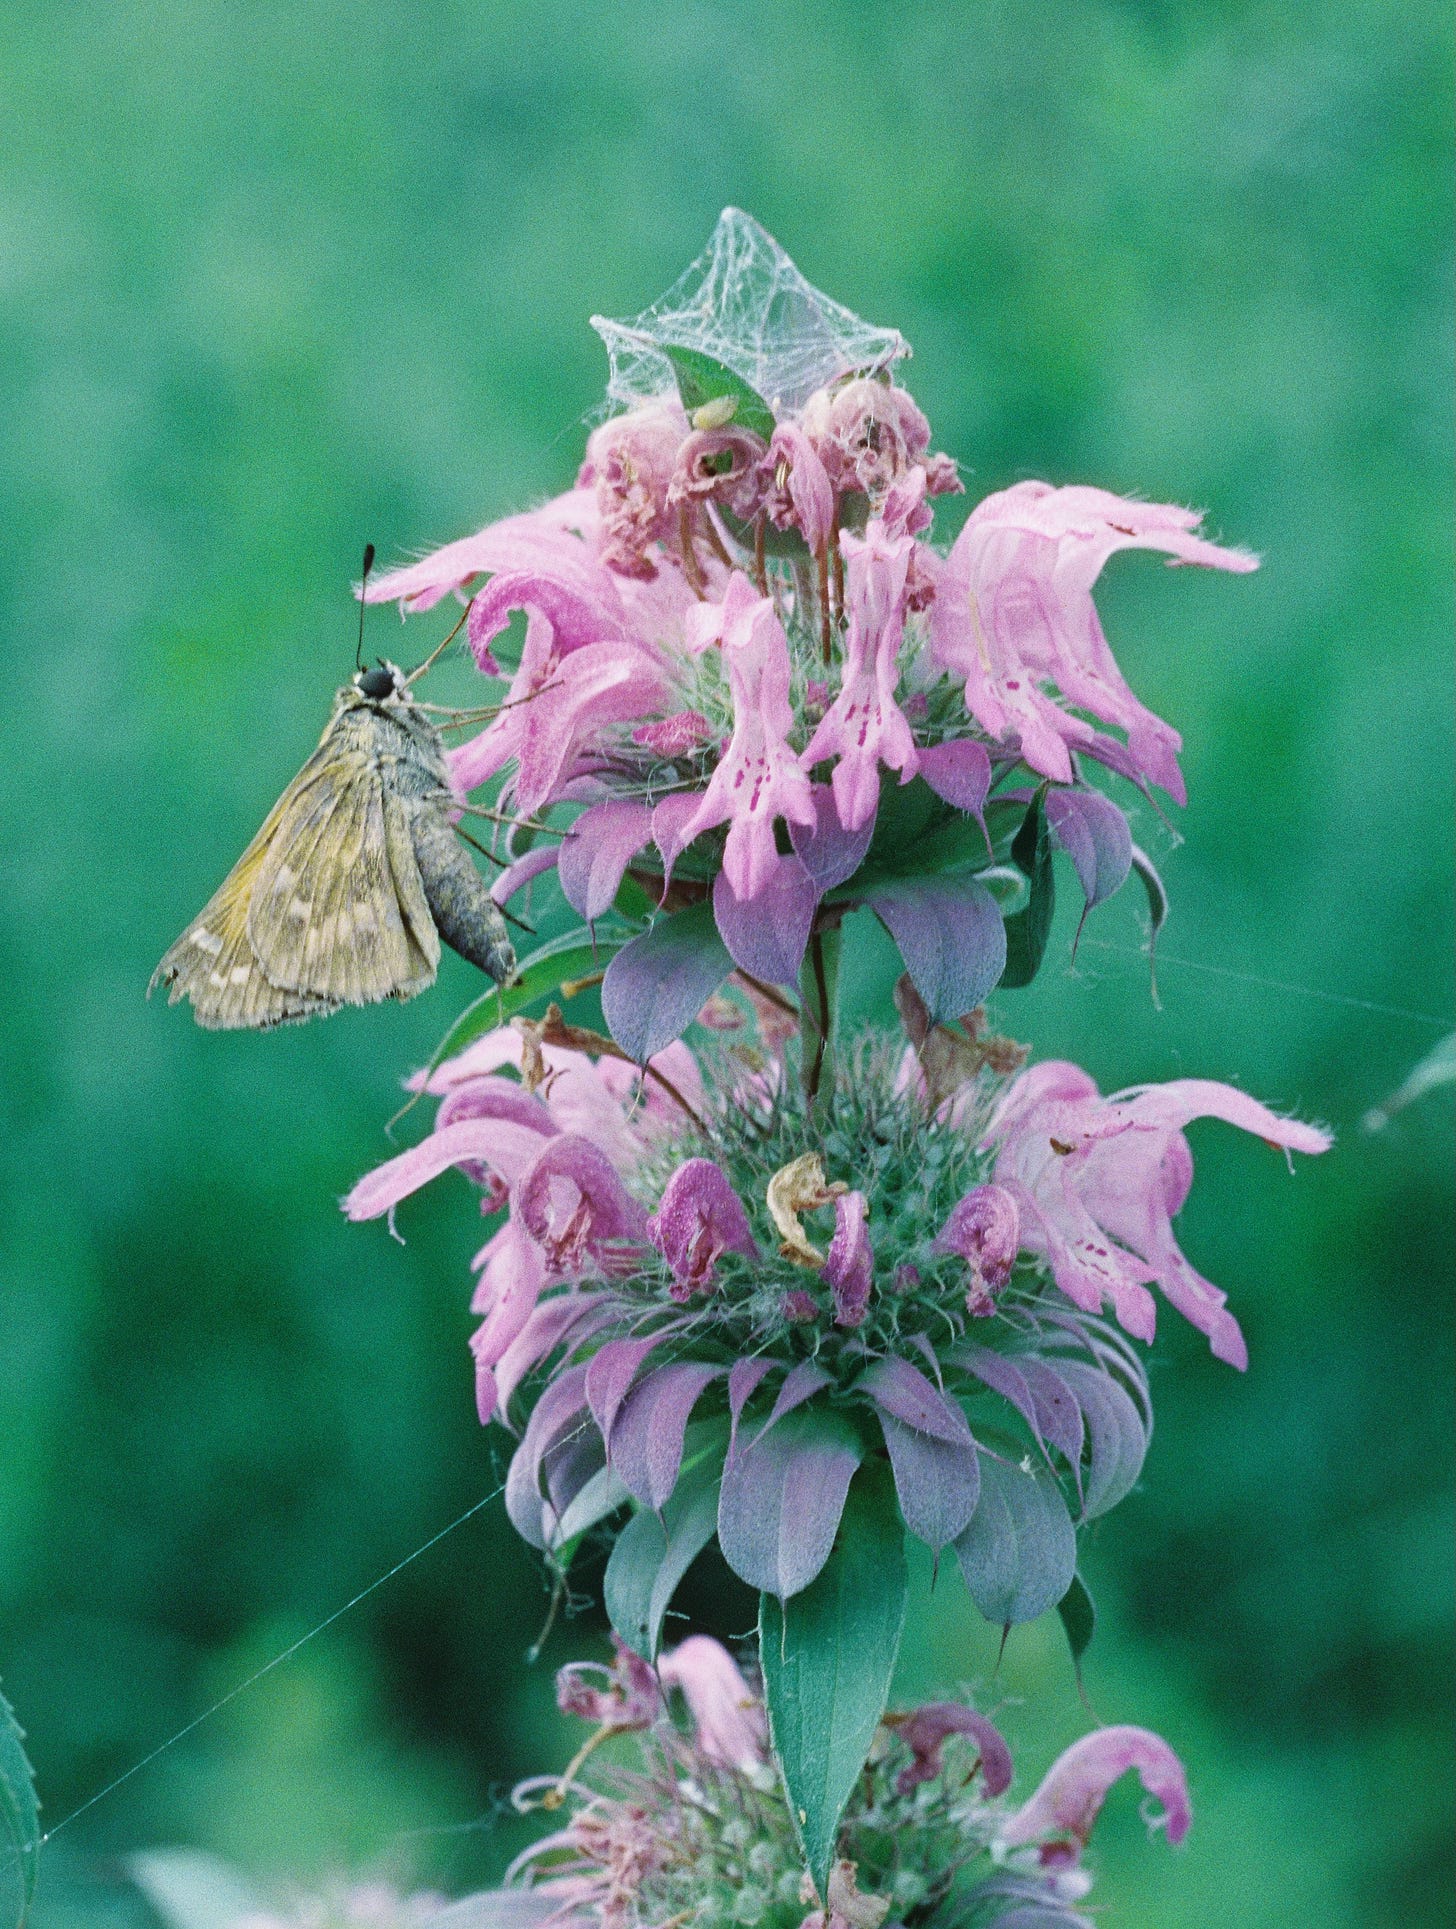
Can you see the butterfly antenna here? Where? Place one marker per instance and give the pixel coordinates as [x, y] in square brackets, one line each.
[440, 648]
[363, 585]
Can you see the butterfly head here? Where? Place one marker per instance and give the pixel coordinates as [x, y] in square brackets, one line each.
[381, 684]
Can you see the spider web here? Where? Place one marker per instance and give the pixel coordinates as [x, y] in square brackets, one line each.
[744, 303]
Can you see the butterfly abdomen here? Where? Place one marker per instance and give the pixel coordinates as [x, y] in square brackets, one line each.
[464, 912]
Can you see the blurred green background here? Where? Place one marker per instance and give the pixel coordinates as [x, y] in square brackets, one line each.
[277, 278]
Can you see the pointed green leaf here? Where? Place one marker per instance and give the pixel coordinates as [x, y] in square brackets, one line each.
[701, 379]
[576, 954]
[1027, 931]
[1079, 1620]
[827, 1656]
[652, 1553]
[20, 1844]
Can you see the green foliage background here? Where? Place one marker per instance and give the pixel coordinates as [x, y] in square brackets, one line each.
[275, 278]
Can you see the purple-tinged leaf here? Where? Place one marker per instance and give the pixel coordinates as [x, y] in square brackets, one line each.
[938, 1481]
[1059, 1417]
[932, 1452]
[902, 1391]
[960, 772]
[768, 934]
[830, 854]
[743, 1381]
[670, 819]
[656, 985]
[647, 1440]
[652, 1553]
[782, 1497]
[1019, 1553]
[951, 937]
[596, 851]
[1118, 1437]
[801, 1383]
[586, 1503]
[609, 1373]
[560, 1414]
[1094, 834]
[1004, 1377]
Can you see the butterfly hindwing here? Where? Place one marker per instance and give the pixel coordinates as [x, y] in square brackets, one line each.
[213, 963]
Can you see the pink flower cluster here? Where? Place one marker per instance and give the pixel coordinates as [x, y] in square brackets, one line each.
[704, 1814]
[656, 561]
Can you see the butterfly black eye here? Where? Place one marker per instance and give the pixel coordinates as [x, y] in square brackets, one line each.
[375, 684]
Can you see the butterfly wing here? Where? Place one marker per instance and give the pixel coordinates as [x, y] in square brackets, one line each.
[328, 917]
[213, 962]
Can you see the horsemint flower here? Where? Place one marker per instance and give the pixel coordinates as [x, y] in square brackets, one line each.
[752, 675]
[750, 1305]
[697, 1827]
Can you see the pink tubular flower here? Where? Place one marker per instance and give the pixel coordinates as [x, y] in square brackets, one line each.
[800, 494]
[849, 1266]
[759, 778]
[700, 1218]
[864, 726]
[628, 1696]
[629, 462]
[1098, 1180]
[925, 1733]
[727, 1717]
[1014, 611]
[868, 435]
[720, 465]
[1075, 1786]
[985, 1229]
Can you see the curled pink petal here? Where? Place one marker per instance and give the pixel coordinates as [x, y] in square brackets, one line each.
[505, 1146]
[727, 1718]
[759, 779]
[804, 499]
[629, 465]
[1075, 1786]
[985, 1229]
[1015, 613]
[925, 1733]
[626, 1695]
[849, 1266]
[700, 1218]
[574, 1206]
[1097, 1181]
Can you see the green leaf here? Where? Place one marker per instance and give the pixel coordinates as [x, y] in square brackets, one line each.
[1019, 1554]
[827, 1656]
[21, 1851]
[1079, 1620]
[1027, 931]
[576, 954]
[652, 1554]
[702, 379]
[1157, 909]
[190, 1890]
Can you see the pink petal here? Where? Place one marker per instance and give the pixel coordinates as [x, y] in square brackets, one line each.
[1075, 1786]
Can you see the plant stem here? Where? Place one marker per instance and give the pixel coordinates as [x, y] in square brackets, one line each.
[818, 983]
